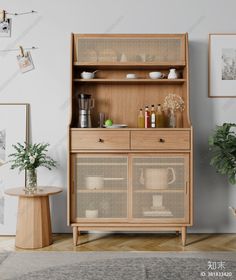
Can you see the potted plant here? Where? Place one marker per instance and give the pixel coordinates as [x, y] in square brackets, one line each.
[223, 147]
[29, 157]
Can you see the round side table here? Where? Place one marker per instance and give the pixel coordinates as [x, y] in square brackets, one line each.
[33, 219]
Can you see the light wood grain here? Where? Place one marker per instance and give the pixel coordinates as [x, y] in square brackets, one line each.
[33, 219]
[75, 235]
[33, 223]
[69, 169]
[139, 242]
[131, 81]
[160, 140]
[101, 140]
[120, 100]
[183, 236]
[41, 191]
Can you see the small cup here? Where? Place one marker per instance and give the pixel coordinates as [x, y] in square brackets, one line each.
[156, 75]
[131, 76]
[87, 75]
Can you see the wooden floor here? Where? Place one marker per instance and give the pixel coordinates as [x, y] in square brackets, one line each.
[133, 242]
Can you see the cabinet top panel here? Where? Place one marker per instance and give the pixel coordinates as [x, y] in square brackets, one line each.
[129, 49]
[126, 35]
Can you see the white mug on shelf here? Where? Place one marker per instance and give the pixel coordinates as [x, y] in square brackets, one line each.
[156, 75]
[157, 178]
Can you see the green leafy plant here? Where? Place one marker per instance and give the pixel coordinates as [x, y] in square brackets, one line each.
[31, 156]
[223, 147]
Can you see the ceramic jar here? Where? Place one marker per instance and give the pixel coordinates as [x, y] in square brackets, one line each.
[173, 74]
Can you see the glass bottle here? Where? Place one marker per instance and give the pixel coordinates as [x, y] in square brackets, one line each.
[153, 117]
[147, 117]
[160, 118]
[140, 119]
[172, 121]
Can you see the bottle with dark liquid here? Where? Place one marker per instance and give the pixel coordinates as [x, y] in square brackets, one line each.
[160, 118]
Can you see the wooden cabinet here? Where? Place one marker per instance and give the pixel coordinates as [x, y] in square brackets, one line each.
[129, 179]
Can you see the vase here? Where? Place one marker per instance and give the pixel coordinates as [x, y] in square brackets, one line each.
[166, 118]
[171, 119]
[179, 119]
[31, 180]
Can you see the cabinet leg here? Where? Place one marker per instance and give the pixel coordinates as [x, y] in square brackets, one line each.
[184, 236]
[75, 235]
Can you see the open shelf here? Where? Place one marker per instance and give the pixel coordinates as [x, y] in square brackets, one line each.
[101, 191]
[101, 164]
[159, 164]
[159, 191]
[131, 64]
[132, 81]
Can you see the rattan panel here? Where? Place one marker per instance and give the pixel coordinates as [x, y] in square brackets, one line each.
[159, 187]
[107, 205]
[102, 187]
[112, 50]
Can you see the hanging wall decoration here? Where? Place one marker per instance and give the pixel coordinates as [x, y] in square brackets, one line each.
[5, 25]
[25, 61]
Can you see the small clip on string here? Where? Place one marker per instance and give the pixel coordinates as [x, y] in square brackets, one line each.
[2, 15]
[22, 51]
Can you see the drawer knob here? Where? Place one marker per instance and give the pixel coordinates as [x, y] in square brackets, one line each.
[100, 140]
[161, 140]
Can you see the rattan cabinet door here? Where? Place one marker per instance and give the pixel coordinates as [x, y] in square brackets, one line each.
[160, 188]
[101, 184]
[137, 49]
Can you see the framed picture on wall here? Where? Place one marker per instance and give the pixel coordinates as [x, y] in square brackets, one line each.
[5, 28]
[13, 129]
[222, 65]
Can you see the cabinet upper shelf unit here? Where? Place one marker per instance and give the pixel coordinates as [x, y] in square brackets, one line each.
[117, 55]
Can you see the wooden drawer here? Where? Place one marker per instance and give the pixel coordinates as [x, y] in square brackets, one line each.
[176, 140]
[100, 140]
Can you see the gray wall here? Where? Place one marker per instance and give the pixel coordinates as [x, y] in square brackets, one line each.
[47, 88]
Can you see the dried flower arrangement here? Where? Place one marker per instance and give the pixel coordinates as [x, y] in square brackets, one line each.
[173, 102]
